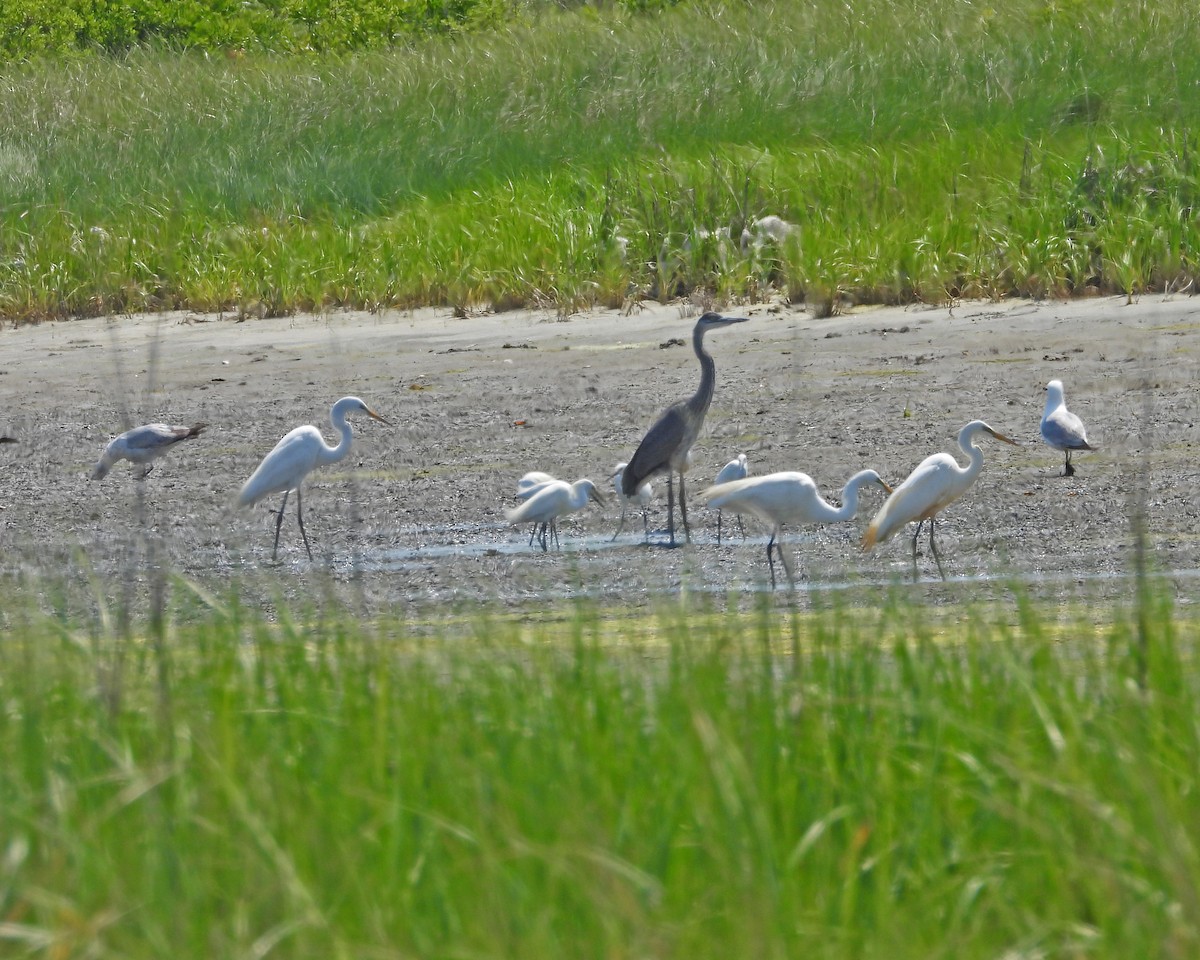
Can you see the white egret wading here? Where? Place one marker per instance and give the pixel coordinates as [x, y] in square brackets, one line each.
[785, 498]
[143, 445]
[666, 445]
[735, 469]
[553, 500]
[936, 483]
[1062, 429]
[295, 456]
[641, 499]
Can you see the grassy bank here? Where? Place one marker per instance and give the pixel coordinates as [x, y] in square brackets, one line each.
[922, 151]
[892, 783]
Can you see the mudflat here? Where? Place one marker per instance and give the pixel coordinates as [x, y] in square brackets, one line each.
[415, 515]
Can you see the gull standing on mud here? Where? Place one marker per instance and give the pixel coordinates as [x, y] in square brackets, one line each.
[295, 457]
[789, 497]
[935, 484]
[553, 500]
[143, 445]
[735, 469]
[666, 446]
[1062, 429]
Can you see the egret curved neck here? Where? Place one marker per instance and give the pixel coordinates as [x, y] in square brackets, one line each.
[334, 454]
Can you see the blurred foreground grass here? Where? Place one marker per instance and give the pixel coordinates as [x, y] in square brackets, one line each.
[894, 782]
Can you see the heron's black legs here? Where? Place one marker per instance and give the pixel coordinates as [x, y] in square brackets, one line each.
[671, 507]
[687, 531]
[646, 524]
[770, 559]
[278, 523]
[914, 552]
[300, 517]
[718, 528]
[933, 547]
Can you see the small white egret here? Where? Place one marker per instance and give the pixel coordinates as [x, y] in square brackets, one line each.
[1062, 429]
[640, 499]
[296, 455]
[936, 483]
[142, 445]
[789, 497]
[532, 482]
[553, 500]
[667, 444]
[735, 469]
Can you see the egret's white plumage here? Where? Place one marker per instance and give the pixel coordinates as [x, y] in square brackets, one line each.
[641, 499]
[532, 482]
[785, 498]
[295, 456]
[143, 445]
[937, 482]
[1062, 429]
[555, 499]
[735, 469]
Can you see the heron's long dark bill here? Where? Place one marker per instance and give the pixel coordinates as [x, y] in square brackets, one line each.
[372, 413]
[1003, 438]
[595, 495]
[886, 486]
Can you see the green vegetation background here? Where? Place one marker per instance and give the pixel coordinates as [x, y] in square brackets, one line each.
[277, 157]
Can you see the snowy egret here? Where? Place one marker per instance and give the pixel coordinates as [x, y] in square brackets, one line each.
[532, 482]
[640, 499]
[1062, 429]
[789, 497]
[297, 455]
[937, 482]
[735, 469]
[554, 500]
[665, 447]
[142, 445]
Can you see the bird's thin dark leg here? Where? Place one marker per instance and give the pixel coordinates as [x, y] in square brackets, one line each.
[770, 559]
[741, 529]
[621, 525]
[300, 517]
[687, 531]
[542, 534]
[533, 532]
[278, 523]
[671, 507]
[646, 524]
[1068, 470]
[914, 545]
[933, 547]
[146, 472]
[718, 528]
[554, 533]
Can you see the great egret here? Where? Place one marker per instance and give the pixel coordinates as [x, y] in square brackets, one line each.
[666, 446]
[735, 469]
[1062, 429]
[142, 445]
[640, 499]
[936, 483]
[790, 497]
[555, 499]
[295, 456]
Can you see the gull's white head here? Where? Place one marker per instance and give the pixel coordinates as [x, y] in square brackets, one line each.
[1054, 394]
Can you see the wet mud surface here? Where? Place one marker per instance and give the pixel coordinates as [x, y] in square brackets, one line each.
[412, 521]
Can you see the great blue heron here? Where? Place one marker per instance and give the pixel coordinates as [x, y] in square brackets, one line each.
[295, 457]
[780, 498]
[641, 499]
[936, 483]
[553, 500]
[142, 445]
[665, 447]
[1062, 429]
[735, 469]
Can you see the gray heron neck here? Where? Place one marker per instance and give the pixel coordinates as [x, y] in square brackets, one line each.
[708, 374]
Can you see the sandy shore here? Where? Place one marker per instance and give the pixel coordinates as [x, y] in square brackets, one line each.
[415, 515]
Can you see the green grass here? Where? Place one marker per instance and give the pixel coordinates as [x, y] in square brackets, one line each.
[925, 151]
[887, 783]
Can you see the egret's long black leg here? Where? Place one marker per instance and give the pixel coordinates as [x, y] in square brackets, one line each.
[1068, 470]
[741, 529]
[278, 523]
[300, 517]
[933, 547]
[671, 507]
[770, 559]
[915, 575]
[646, 524]
[718, 528]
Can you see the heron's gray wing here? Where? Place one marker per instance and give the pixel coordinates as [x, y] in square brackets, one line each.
[654, 453]
[152, 436]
